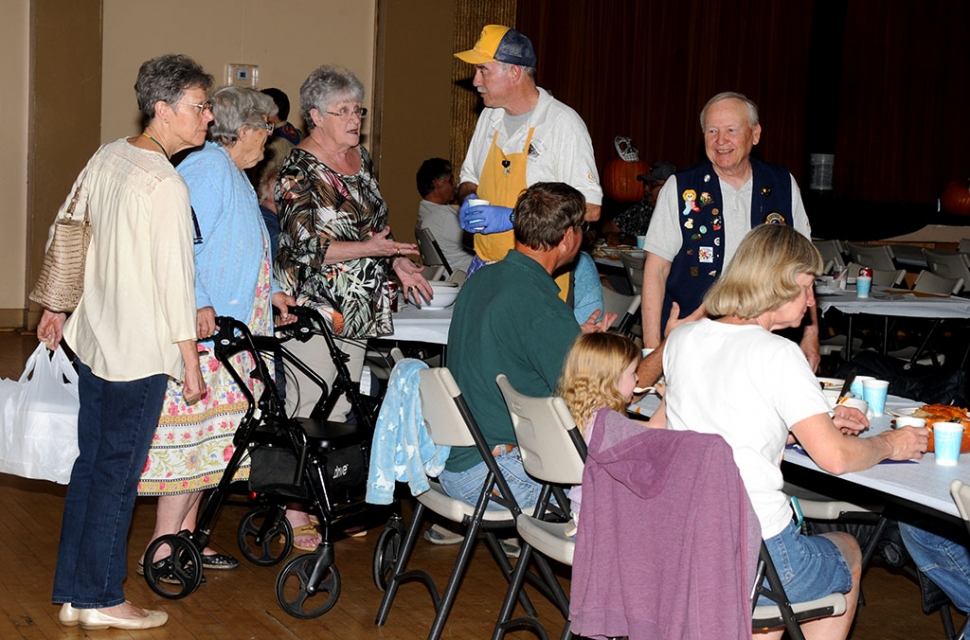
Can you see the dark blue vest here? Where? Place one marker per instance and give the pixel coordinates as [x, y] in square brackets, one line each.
[701, 256]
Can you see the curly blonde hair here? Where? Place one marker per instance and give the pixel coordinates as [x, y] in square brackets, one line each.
[591, 374]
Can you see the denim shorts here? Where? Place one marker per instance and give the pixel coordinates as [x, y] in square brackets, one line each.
[810, 567]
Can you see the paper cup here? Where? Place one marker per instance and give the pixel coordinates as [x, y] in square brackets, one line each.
[909, 421]
[947, 437]
[874, 392]
[477, 202]
[856, 387]
[640, 241]
[857, 403]
[862, 286]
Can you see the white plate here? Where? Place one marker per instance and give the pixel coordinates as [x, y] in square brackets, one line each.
[903, 412]
[832, 383]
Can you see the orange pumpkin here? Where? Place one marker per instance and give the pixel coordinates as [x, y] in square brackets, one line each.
[620, 180]
[956, 198]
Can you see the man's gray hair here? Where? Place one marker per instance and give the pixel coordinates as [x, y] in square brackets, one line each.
[325, 86]
[732, 95]
[234, 108]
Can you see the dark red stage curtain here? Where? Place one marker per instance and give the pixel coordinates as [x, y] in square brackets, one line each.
[644, 69]
[903, 117]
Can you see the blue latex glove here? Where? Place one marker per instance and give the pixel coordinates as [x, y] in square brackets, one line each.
[485, 218]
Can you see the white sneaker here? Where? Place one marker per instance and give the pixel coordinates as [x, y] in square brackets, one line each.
[437, 534]
[511, 546]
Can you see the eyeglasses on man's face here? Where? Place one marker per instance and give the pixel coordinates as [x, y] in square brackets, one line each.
[265, 126]
[346, 112]
[199, 108]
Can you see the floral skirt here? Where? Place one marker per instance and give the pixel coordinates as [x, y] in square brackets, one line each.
[193, 444]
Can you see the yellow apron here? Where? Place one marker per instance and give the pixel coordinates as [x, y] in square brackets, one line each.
[501, 183]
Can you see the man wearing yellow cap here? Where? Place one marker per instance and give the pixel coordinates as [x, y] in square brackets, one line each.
[523, 136]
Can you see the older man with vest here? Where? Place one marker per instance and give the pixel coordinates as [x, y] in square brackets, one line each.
[704, 211]
[523, 136]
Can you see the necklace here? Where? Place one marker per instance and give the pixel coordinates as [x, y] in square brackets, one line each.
[148, 135]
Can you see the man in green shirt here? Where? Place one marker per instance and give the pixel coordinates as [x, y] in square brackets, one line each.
[509, 319]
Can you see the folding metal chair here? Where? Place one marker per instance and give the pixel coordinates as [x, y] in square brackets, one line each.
[628, 321]
[785, 613]
[831, 251]
[451, 423]
[874, 256]
[949, 264]
[880, 277]
[633, 262]
[553, 452]
[431, 253]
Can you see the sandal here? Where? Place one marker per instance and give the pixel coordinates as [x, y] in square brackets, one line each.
[306, 531]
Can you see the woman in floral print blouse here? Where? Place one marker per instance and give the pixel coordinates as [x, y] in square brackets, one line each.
[336, 250]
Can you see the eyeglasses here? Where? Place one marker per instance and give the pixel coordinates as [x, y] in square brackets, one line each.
[265, 126]
[360, 112]
[199, 108]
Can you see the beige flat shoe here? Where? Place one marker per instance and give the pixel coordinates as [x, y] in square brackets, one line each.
[68, 615]
[94, 619]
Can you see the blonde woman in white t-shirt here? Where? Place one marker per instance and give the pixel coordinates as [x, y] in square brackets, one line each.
[730, 375]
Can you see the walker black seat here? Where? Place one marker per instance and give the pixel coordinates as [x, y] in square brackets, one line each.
[327, 436]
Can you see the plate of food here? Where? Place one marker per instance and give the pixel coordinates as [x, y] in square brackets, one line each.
[831, 383]
[935, 413]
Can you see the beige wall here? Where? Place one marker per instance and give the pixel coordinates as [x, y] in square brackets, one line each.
[90, 50]
[14, 46]
[413, 100]
[287, 40]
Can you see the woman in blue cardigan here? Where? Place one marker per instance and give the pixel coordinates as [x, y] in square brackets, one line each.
[233, 277]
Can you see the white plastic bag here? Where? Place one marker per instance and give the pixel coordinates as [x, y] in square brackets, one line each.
[38, 432]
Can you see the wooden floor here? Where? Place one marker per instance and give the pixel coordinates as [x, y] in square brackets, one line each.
[242, 603]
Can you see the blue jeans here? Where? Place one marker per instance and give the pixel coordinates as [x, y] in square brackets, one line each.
[810, 567]
[944, 561]
[115, 426]
[467, 485]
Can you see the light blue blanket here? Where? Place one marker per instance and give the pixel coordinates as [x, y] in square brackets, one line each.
[402, 449]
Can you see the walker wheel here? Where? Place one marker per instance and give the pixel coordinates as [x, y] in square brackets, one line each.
[299, 594]
[259, 536]
[179, 573]
[386, 553]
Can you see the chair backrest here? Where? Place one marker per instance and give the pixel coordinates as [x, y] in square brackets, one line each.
[441, 409]
[880, 277]
[961, 496]
[964, 246]
[431, 253]
[628, 324]
[831, 250]
[614, 302]
[949, 264]
[633, 262]
[876, 256]
[542, 429]
[435, 272]
[457, 277]
[929, 282]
